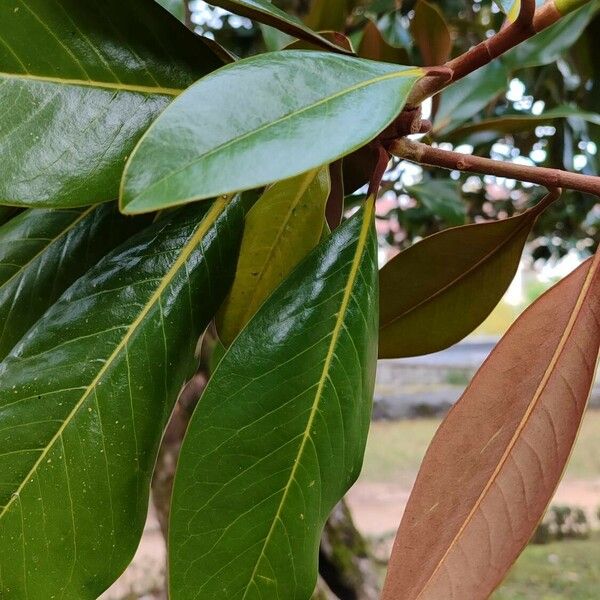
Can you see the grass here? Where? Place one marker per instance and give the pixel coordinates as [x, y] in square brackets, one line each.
[395, 450]
[556, 571]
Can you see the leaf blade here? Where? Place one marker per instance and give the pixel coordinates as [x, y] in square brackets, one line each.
[83, 92]
[42, 252]
[343, 328]
[524, 406]
[269, 14]
[86, 484]
[429, 302]
[258, 138]
[282, 227]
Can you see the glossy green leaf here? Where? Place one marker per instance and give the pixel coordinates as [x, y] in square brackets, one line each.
[175, 7]
[335, 37]
[564, 7]
[520, 122]
[469, 96]
[84, 398]
[439, 290]
[265, 12]
[7, 213]
[279, 434]
[79, 83]
[42, 252]
[218, 138]
[329, 14]
[281, 229]
[441, 198]
[431, 34]
[547, 46]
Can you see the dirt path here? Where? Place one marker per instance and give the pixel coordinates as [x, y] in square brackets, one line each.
[378, 507]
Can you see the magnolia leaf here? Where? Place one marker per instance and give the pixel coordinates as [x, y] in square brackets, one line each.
[279, 434]
[547, 46]
[470, 95]
[373, 46]
[334, 36]
[7, 213]
[329, 14]
[517, 123]
[431, 34]
[85, 396]
[265, 12]
[282, 227]
[79, 83]
[440, 289]
[217, 138]
[497, 458]
[442, 198]
[175, 7]
[42, 252]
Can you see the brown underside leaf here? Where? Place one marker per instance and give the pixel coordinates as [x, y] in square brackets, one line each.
[431, 34]
[496, 460]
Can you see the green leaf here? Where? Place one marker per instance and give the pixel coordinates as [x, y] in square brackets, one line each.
[42, 252]
[279, 434]
[469, 96]
[442, 199]
[175, 7]
[547, 46]
[329, 14]
[517, 123]
[439, 290]
[84, 398]
[79, 83]
[431, 34]
[265, 12]
[281, 229]
[7, 213]
[218, 138]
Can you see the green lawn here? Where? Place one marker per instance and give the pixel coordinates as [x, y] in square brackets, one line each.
[395, 450]
[568, 570]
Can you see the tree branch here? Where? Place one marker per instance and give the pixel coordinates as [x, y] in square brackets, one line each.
[529, 22]
[550, 178]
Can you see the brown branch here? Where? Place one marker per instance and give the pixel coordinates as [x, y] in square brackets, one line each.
[550, 178]
[529, 22]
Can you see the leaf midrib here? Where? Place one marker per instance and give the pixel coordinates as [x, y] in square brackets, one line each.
[360, 248]
[179, 263]
[415, 72]
[526, 417]
[104, 85]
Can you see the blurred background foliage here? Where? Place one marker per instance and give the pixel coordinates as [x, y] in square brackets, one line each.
[538, 105]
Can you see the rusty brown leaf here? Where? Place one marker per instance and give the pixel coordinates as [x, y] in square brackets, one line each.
[497, 458]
